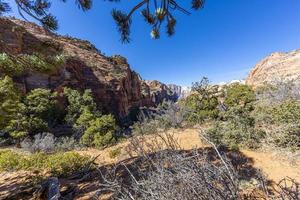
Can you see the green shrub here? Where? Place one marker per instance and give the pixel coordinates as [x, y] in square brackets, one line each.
[15, 66]
[115, 152]
[9, 66]
[201, 109]
[9, 101]
[58, 164]
[287, 112]
[40, 102]
[287, 136]
[35, 114]
[84, 120]
[281, 122]
[78, 104]
[238, 94]
[19, 128]
[237, 130]
[101, 132]
[203, 103]
[10, 160]
[43, 64]
[64, 164]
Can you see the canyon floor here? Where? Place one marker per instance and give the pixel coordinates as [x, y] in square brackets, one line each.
[275, 165]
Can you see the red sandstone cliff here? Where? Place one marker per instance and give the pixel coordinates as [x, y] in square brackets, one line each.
[115, 86]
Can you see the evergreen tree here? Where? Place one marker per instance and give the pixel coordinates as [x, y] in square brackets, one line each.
[9, 101]
[155, 12]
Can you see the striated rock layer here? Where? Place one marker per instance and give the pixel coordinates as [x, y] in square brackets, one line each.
[115, 86]
[277, 66]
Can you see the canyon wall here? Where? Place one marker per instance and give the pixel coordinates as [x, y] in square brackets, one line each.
[276, 67]
[116, 88]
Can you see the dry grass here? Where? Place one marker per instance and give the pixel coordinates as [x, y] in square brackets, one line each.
[274, 164]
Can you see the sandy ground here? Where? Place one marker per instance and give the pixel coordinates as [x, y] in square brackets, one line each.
[187, 139]
[274, 164]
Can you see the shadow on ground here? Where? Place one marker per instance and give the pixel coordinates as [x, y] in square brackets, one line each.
[85, 185]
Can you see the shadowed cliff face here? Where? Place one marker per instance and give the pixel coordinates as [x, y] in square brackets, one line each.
[276, 67]
[115, 86]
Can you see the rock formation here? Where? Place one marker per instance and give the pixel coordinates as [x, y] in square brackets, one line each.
[160, 91]
[115, 86]
[277, 66]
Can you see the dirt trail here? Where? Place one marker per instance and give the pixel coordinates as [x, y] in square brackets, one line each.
[275, 165]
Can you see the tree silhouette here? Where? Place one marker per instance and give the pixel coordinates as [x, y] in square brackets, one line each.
[155, 12]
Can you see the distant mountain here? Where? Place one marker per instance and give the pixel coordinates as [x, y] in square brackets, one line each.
[277, 66]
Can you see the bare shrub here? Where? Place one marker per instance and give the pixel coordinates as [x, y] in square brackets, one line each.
[171, 115]
[148, 126]
[48, 143]
[168, 115]
[66, 144]
[279, 90]
[42, 142]
[162, 171]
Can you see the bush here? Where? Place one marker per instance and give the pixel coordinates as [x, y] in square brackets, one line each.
[78, 103]
[234, 136]
[170, 115]
[115, 152]
[66, 144]
[281, 122]
[42, 142]
[286, 136]
[279, 91]
[160, 169]
[23, 126]
[37, 113]
[147, 126]
[42, 63]
[58, 164]
[15, 66]
[203, 103]
[10, 160]
[9, 66]
[287, 112]
[9, 101]
[238, 94]
[41, 103]
[64, 164]
[101, 132]
[238, 130]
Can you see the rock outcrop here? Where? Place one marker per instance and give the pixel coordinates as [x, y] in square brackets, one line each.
[159, 92]
[115, 86]
[277, 66]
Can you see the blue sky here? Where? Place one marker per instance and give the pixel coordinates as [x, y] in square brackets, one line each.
[223, 41]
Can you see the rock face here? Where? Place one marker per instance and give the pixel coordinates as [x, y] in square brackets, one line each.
[115, 86]
[278, 66]
[159, 92]
[176, 89]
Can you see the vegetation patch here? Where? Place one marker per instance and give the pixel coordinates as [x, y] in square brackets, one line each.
[114, 153]
[18, 65]
[58, 164]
